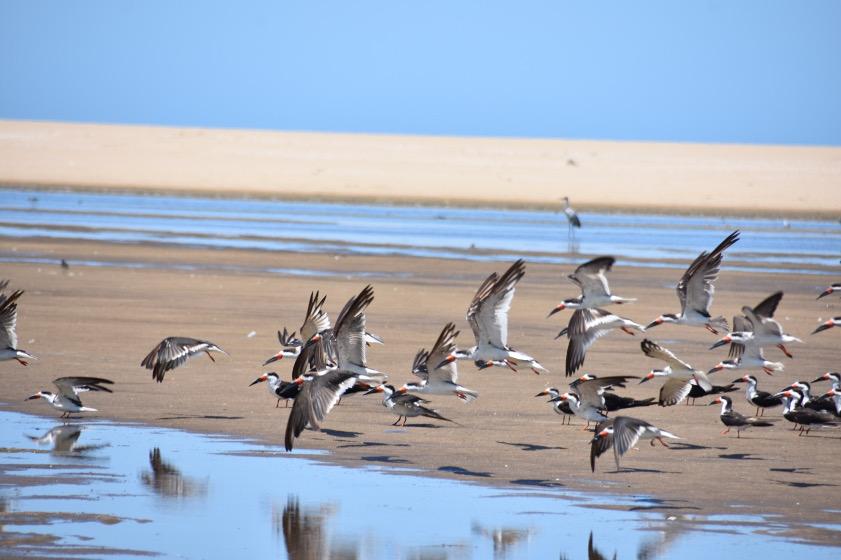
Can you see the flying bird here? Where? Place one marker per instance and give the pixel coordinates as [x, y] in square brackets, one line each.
[8, 319]
[595, 291]
[439, 380]
[695, 291]
[622, 433]
[67, 399]
[678, 374]
[585, 327]
[173, 351]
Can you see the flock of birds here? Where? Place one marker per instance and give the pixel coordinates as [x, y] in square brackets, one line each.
[330, 359]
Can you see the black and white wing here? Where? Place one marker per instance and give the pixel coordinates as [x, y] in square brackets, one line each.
[8, 318]
[740, 324]
[591, 391]
[316, 319]
[443, 347]
[768, 306]
[172, 352]
[419, 367]
[674, 390]
[695, 288]
[70, 387]
[350, 330]
[626, 433]
[491, 306]
[591, 277]
[288, 340]
[600, 445]
[317, 397]
[585, 327]
[654, 350]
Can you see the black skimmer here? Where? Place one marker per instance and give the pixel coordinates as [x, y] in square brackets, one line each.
[595, 291]
[622, 433]
[173, 351]
[290, 346]
[835, 395]
[586, 396]
[765, 331]
[695, 291]
[733, 419]
[836, 287]
[319, 393]
[67, 400]
[834, 322]
[488, 318]
[599, 391]
[585, 327]
[8, 319]
[806, 418]
[833, 377]
[280, 389]
[440, 380]
[807, 401]
[405, 405]
[748, 354]
[573, 221]
[350, 341]
[560, 407]
[678, 374]
[583, 408]
[696, 392]
[760, 399]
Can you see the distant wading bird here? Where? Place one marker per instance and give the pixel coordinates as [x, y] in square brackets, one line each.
[173, 351]
[695, 291]
[591, 278]
[8, 319]
[67, 400]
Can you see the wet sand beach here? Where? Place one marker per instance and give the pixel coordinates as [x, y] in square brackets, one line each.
[101, 321]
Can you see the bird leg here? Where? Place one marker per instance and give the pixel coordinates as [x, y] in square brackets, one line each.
[627, 330]
[711, 329]
[212, 359]
[726, 431]
[404, 420]
[287, 404]
[768, 371]
[511, 364]
[661, 441]
[535, 371]
[277, 404]
[22, 362]
[786, 352]
[397, 421]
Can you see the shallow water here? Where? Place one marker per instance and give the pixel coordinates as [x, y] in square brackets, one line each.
[485, 234]
[103, 489]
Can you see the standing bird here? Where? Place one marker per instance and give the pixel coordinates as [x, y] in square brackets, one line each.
[173, 351]
[695, 291]
[573, 221]
[442, 380]
[560, 407]
[595, 291]
[806, 418]
[405, 405]
[834, 322]
[622, 433]
[8, 319]
[488, 318]
[733, 419]
[585, 327]
[678, 373]
[280, 389]
[760, 399]
[67, 400]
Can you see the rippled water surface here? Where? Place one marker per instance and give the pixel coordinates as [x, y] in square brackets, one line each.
[92, 489]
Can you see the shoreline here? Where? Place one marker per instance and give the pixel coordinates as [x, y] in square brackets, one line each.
[506, 437]
[610, 176]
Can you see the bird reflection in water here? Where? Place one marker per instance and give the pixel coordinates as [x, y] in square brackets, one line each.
[63, 440]
[503, 539]
[306, 533]
[650, 548]
[167, 481]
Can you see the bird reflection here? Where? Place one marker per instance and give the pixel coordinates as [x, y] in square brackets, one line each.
[651, 548]
[503, 539]
[306, 533]
[63, 440]
[168, 481]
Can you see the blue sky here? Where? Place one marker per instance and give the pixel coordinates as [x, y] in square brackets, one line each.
[757, 71]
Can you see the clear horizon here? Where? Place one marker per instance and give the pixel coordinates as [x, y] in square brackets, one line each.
[748, 72]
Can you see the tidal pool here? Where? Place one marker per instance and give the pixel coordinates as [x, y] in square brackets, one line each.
[94, 488]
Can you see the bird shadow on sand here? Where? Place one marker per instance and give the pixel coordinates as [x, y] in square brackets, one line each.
[531, 446]
[792, 470]
[202, 416]
[384, 459]
[802, 484]
[371, 444]
[740, 457]
[464, 472]
[340, 433]
[631, 470]
[683, 446]
[537, 482]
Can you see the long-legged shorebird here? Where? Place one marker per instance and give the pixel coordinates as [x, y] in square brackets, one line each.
[67, 399]
[8, 319]
[173, 351]
[695, 291]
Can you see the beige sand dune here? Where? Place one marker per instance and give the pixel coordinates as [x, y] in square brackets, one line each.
[780, 180]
